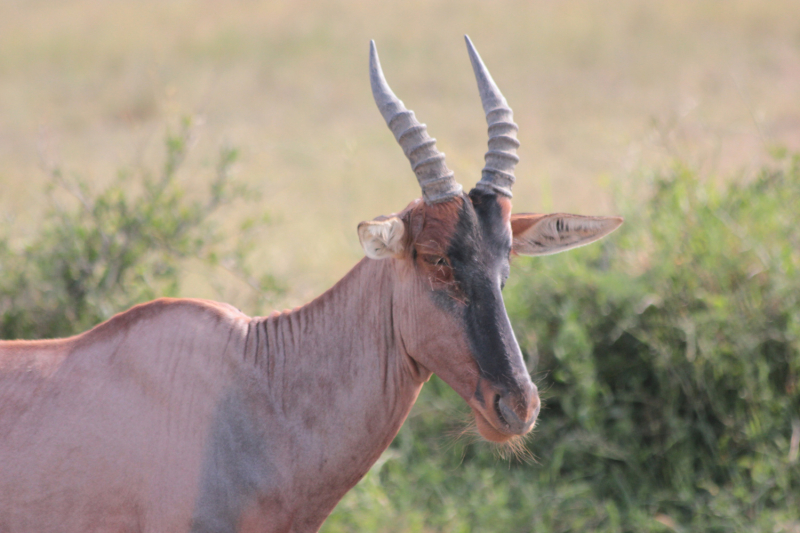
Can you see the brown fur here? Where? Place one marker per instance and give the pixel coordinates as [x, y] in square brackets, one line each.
[187, 415]
[431, 229]
[116, 429]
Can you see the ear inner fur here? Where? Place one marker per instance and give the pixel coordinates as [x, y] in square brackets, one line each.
[536, 234]
[382, 237]
[521, 222]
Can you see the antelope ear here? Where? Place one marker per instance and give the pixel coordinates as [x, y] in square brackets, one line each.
[536, 234]
[382, 237]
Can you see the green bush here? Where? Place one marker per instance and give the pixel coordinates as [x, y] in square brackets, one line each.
[669, 360]
[98, 253]
[668, 355]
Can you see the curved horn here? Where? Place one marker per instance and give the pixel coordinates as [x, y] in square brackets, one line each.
[498, 173]
[435, 179]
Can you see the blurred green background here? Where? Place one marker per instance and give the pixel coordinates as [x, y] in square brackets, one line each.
[228, 150]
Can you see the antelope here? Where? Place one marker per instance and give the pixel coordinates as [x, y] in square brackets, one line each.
[188, 415]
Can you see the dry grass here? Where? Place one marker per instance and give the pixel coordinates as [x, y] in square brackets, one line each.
[599, 93]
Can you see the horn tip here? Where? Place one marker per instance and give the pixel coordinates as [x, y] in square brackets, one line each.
[375, 72]
[373, 51]
[470, 46]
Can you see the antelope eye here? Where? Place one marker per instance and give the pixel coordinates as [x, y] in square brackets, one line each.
[435, 260]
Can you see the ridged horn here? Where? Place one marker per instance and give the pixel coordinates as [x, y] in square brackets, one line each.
[498, 173]
[435, 179]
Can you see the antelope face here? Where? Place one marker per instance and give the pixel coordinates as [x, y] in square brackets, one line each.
[451, 252]
[461, 274]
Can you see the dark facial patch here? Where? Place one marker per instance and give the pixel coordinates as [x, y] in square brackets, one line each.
[478, 255]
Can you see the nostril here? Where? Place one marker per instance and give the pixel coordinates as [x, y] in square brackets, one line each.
[507, 413]
[517, 414]
[499, 410]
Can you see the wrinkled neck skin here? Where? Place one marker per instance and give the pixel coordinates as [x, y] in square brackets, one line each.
[338, 384]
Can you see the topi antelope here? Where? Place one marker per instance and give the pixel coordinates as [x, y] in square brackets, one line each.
[187, 415]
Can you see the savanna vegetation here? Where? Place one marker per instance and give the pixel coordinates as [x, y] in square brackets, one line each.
[669, 360]
[668, 355]
[98, 252]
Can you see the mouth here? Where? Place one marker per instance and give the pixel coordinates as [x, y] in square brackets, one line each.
[489, 431]
[494, 425]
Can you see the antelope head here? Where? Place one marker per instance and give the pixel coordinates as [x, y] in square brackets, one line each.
[451, 252]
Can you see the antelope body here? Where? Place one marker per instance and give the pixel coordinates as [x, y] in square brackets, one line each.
[187, 415]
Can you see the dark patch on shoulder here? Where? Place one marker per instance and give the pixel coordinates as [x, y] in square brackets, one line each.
[237, 471]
